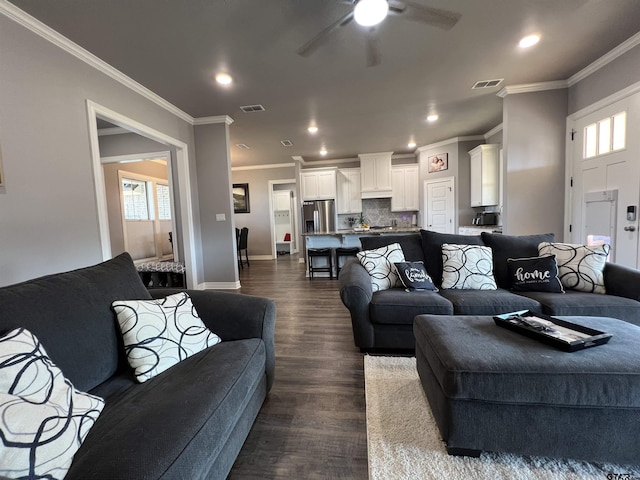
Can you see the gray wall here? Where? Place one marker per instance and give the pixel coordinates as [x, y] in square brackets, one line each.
[259, 218]
[215, 197]
[534, 151]
[48, 213]
[616, 75]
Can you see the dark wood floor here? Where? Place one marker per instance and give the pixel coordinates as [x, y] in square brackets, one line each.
[312, 425]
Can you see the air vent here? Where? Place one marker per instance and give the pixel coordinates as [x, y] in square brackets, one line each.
[487, 83]
[286, 143]
[242, 146]
[252, 108]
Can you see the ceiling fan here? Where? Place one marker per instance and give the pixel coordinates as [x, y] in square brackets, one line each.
[369, 13]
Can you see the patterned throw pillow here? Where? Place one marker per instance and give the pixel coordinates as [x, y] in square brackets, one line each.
[535, 274]
[579, 266]
[160, 333]
[467, 267]
[43, 418]
[414, 276]
[379, 264]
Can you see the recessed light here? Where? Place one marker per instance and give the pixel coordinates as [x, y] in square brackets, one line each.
[323, 152]
[432, 118]
[312, 129]
[529, 41]
[412, 145]
[224, 78]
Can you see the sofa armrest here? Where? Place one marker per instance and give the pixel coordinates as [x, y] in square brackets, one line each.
[622, 281]
[356, 294]
[235, 316]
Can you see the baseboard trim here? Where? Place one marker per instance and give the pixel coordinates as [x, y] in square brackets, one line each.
[219, 285]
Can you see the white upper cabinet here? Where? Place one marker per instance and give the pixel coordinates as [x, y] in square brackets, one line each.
[485, 175]
[405, 188]
[282, 200]
[318, 184]
[375, 174]
[349, 199]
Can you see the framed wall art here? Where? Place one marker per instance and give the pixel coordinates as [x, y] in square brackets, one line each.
[438, 163]
[241, 198]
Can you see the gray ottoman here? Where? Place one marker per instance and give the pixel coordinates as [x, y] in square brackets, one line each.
[493, 389]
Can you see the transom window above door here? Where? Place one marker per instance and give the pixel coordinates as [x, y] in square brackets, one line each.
[605, 136]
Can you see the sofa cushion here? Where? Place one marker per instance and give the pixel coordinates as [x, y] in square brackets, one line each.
[467, 267]
[397, 306]
[379, 263]
[580, 267]
[414, 276]
[159, 333]
[512, 246]
[573, 302]
[411, 244]
[43, 418]
[534, 274]
[488, 302]
[86, 344]
[183, 416]
[432, 249]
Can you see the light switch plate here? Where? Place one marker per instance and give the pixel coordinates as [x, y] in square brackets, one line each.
[220, 217]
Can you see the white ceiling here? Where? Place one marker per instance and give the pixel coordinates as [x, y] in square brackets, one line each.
[175, 47]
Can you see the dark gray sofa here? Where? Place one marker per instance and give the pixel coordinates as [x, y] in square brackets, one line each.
[188, 422]
[384, 319]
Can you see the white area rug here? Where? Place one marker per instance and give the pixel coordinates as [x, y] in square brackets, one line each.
[404, 441]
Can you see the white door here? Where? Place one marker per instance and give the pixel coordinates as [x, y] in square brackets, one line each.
[439, 205]
[605, 156]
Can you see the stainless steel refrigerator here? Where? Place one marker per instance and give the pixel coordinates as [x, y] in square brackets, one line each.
[319, 216]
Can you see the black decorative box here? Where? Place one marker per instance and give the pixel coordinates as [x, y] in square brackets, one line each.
[561, 334]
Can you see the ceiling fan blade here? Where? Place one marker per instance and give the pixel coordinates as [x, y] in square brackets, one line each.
[373, 48]
[313, 44]
[435, 17]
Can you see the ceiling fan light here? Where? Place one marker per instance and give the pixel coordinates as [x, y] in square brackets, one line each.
[370, 12]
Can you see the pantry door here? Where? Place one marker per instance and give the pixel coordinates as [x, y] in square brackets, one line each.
[439, 205]
[605, 196]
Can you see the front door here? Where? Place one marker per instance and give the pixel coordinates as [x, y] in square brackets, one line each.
[439, 205]
[606, 179]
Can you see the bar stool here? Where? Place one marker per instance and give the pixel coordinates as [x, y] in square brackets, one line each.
[344, 252]
[319, 253]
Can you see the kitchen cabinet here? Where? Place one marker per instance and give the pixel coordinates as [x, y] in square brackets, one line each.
[348, 194]
[375, 175]
[318, 184]
[404, 181]
[485, 175]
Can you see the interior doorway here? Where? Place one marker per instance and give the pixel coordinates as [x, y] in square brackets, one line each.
[439, 205]
[178, 170]
[284, 218]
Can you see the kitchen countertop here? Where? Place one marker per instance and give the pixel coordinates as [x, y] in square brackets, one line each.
[372, 231]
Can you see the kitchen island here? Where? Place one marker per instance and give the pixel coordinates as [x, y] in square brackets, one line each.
[347, 239]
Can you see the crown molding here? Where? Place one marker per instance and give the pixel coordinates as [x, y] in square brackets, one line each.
[608, 57]
[533, 87]
[262, 167]
[36, 26]
[216, 119]
[493, 131]
[449, 141]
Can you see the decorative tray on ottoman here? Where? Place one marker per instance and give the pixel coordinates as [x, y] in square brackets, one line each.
[561, 334]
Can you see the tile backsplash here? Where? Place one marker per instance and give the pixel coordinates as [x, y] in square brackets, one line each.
[377, 212]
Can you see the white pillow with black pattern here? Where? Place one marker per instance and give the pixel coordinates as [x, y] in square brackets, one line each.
[379, 263]
[580, 267]
[467, 267]
[158, 334]
[43, 418]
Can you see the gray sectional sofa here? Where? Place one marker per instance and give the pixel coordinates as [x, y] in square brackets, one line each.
[384, 319]
[189, 421]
